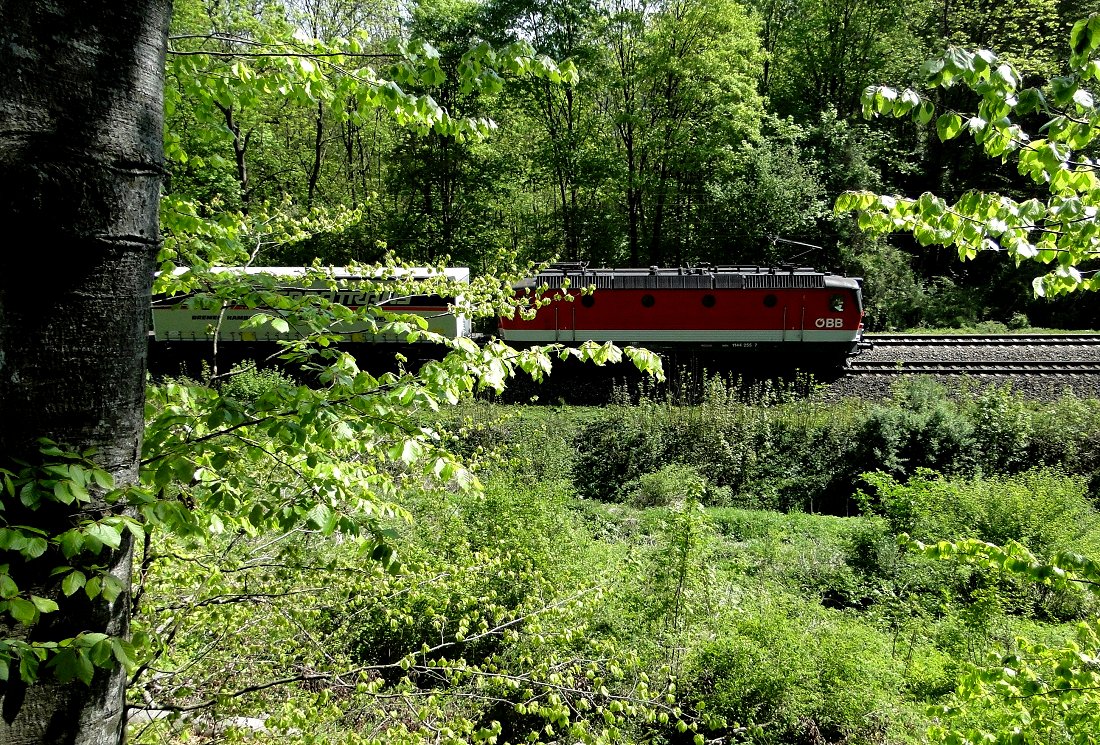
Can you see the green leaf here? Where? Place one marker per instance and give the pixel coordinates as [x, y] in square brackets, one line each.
[12, 539]
[101, 654]
[36, 546]
[22, 611]
[73, 582]
[71, 663]
[108, 535]
[321, 516]
[925, 112]
[44, 605]
[72, 543]
[124, 653]
[28, 667]
[112, 587]
[948, 126]
[62, 493]
[103, 479]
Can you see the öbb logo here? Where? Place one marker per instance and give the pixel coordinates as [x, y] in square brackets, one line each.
[829, 323]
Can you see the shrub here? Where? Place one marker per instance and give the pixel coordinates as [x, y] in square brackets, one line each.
[1002, 429]
[246, 382]
[1044, 509]
[471, 562]
[1067, 432]
[536, 442]
[920, 427]
[612, 450]
[660, 489]
[790, 672]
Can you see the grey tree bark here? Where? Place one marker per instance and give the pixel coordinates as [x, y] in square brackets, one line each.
[81, 99]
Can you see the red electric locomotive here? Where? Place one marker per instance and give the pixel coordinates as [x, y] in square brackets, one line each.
[765, 316]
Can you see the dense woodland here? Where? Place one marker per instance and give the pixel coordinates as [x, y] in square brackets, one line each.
[696, 131]
[345, 556]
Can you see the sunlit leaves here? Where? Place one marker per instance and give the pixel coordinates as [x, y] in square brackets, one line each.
[221, 75]
[74, 558]
[77, 658]
[1048, 690]
[331, 457]
[948, 126]
[1064, 229]
[1084, 40]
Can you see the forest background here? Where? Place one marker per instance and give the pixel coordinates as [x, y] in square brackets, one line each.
[699, 131]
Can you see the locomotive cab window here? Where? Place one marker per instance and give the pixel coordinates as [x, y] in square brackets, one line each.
[648, 301]
[588, 301]
[708, 301]
[770, 301]
[836, 303]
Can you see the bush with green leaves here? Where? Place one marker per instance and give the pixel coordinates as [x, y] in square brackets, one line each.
[247, 382]
[482, 628]
[803, 454]
[613, 449]
[781, 670]
[1002, 429]
[1044, 509]
[1066, 432]
[536, 441]
[803, 458]
[777, 451]
[921, 426]
[672, 483]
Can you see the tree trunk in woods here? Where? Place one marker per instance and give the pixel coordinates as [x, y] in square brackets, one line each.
[80, 174]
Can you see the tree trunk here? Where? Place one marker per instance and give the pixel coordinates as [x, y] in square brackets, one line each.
[81, 150]
[318, 152]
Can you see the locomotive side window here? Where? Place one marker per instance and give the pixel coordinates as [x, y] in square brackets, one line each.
[770, 301]
[588, 301]
[836, 303]
[708, 301]
[648, 301]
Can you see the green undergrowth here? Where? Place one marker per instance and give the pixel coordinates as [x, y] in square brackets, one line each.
[649, 574]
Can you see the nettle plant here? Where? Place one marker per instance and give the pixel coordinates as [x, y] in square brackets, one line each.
[1059, 228]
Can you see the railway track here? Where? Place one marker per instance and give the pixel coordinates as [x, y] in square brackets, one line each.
[982, 340]
[1014, 356]
[998, 367]
[1040, 366]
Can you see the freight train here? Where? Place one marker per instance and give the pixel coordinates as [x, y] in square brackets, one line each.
[734, 317]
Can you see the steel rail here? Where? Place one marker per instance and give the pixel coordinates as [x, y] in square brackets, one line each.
[928, 340]
[998, 367]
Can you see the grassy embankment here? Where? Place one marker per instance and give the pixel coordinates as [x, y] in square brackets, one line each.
[731, 565]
